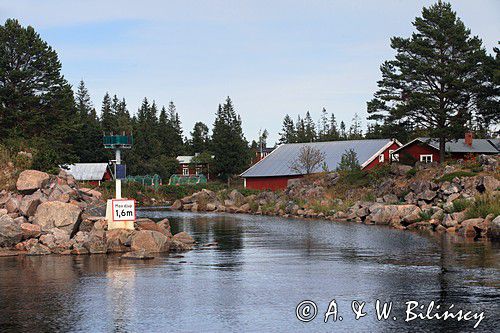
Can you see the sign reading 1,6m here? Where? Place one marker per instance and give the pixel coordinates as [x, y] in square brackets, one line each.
[123, 210]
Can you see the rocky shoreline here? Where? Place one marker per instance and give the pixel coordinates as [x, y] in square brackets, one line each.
[51, 215]
[401, 203]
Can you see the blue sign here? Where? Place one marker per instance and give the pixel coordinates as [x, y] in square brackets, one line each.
[120, 171]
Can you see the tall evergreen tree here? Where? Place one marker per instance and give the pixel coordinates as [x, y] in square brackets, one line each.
[228, 143]
[36, 102]
[310, 128]
[333, 134]
[288, 133]
[89, 138]
[324, 126]
[434, 77]
[200, 138]
[342, 133]
[108, 119]
[355, 130]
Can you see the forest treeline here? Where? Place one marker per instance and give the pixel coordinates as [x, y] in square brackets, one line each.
[441, 83]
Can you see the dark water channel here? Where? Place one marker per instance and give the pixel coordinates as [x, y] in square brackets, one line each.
[254, 279]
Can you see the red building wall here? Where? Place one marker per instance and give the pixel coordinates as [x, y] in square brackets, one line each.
[375, 162]
[418, 148]
[268, 183]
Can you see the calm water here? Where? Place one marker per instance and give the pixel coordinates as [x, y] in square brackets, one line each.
[253, 281]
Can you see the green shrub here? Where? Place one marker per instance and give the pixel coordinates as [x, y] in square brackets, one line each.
[484, 205]
[425, 215]
[460, 205]
[411, 173]
[449, 177]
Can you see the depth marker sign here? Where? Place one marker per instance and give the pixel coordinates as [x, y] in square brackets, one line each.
[123, 210]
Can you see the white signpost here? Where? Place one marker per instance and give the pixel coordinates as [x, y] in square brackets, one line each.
[120, 213]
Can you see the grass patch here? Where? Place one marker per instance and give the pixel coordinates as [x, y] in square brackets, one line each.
[484, 205]
[449, 177]
[459, 205]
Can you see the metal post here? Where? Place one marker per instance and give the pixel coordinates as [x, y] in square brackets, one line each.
[118, 181]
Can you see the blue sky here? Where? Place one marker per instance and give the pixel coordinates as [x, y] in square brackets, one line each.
[271, 57]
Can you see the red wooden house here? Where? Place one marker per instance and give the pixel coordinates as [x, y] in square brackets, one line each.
[188, 167]
[426, 150]
[274, 172]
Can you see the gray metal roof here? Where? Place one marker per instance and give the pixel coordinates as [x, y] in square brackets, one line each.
[479, 146]
[278, 162]
[87, 171]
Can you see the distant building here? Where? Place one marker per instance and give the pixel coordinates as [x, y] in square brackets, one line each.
[261, 153]
[93, 173]
[273, 172]
[427, 149]
[188, 167]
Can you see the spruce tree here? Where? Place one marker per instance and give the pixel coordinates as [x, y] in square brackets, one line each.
[89, 138]
[200, 138]
[288, 133]
[108, 119]
[229, 146]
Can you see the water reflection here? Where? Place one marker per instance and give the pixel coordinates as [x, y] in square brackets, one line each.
[261, 269]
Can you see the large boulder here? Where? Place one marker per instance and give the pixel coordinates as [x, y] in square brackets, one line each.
[184, 237]
[147, 224]
[10, 232]
[487, 184]
[55, 214]
[31, 180]
[30, 203]
[494, 228]
[237, 198]
[116, 240]
[177, 205]
[470, 228]
[96, 242]
[149, 240]
[394, 214]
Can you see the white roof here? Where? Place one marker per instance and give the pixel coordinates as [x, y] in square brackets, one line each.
[184, 159]
[87, 171]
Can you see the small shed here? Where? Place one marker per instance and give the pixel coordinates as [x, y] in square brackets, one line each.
[94, 173]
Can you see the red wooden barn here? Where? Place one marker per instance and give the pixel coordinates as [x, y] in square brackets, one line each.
[273, 172]
[427, 149]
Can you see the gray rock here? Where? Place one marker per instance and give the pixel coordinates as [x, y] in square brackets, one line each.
[494, 228]
[137, 255]
[10, 232]
[152, 241]
[55, 214]
[38, 250]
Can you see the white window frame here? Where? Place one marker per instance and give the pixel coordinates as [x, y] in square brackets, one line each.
[426, 158]
[185, 171]
[393, 157]
[198, 170]
[381, 158]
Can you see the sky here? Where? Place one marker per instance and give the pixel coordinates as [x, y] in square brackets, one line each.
[271, 57]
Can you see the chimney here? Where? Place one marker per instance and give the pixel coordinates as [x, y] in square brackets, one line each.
[468, 138]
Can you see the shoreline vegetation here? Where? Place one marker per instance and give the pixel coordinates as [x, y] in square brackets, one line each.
[43, 214]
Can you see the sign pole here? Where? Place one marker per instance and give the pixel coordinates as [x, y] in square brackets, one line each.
[118, 182]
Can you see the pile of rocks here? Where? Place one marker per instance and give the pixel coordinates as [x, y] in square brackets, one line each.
[51, 214]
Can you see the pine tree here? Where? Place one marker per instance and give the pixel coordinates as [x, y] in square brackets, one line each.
[288, 133]
[229, 146]
[36, 102]
[300, 128]
[434, 77]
